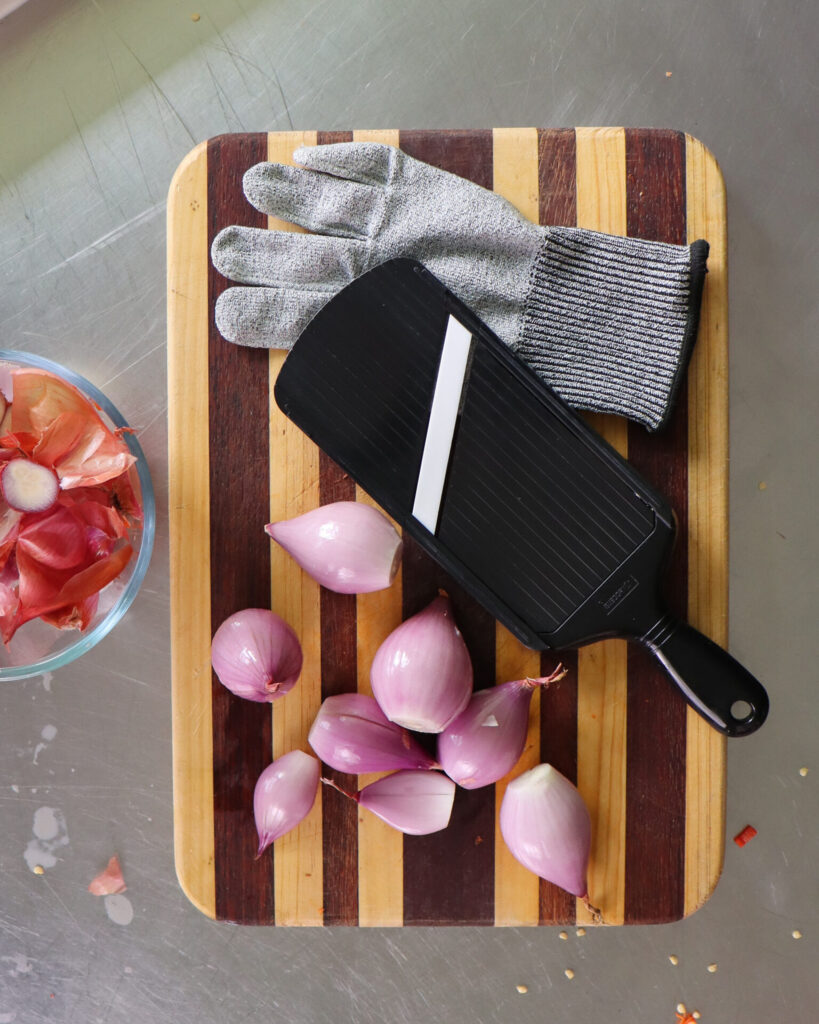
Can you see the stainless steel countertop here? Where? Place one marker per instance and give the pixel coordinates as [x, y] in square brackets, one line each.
[99, 101]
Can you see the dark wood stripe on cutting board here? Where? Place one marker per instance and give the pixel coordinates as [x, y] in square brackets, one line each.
[558, 704]
[240, 559]
[339, 674]
[449, 876]
[656, 730]
[557, 192]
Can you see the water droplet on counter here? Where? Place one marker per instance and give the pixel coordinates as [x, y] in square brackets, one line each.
[50, 834]
[119, 908]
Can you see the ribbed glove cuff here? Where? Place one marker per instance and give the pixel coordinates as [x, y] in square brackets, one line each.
[610, 322]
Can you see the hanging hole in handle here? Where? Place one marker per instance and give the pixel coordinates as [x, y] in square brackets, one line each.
[741, 710]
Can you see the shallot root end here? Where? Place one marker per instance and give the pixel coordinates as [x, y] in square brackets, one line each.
[596, 915]
[545, 681]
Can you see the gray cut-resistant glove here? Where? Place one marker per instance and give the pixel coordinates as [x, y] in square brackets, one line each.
[608, 322]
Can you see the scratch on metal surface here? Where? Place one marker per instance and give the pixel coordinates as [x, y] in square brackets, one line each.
[241, 57]
[122, 675]
[142, 432]
[642, 78]
[73, 919]
[134, 146]
[6, 185]
[160, 90]
[108, 238]
[237, 57]
[231, 53]
[284, 98]
[84, 145]
[523, 14]
[556, 65]
[14, 257]
[16, 931]
[133, 363]
[220, 93]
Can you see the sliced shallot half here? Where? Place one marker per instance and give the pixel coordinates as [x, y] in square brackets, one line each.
[28, 486]
[352, 734]
[415, 802]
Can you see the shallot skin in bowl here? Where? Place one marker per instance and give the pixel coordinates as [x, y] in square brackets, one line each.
[38, 647]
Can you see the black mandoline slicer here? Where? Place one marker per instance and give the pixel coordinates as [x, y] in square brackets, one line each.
[512, 493]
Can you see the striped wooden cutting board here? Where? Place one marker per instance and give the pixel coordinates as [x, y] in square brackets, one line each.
[651, 771]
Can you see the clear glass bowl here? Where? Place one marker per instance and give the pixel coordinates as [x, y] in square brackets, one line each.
[38, 647]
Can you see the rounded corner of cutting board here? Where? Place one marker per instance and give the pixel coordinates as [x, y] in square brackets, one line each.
[706, 154]
[193, 884]
[706, 891]
[188, 162]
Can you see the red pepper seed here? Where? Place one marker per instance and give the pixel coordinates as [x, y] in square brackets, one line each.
[745, 836]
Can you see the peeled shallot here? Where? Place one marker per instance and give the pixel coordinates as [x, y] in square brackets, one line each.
[256, 655]
[486, 740]
[352, 734]
[346, 546]
[414, 802]
[547, 827]
[422, 673]
[284, 794]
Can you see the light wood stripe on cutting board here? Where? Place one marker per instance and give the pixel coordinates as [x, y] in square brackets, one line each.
[189, 513]
[707, 520]
[602, 667]
[515, 177]
[380, 848]
[339, 674]
[294, 488]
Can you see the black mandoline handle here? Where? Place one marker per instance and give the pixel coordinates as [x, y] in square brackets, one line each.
[713, 682]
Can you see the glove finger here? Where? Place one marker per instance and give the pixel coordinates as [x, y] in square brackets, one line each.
[370, 163]
[282, 259]
[317, 202]
[266, 317]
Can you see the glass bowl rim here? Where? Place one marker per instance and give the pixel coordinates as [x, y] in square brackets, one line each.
[85, 641]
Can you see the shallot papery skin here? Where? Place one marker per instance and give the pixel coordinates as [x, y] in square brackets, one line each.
[284, 794]
[352, 734]
[422, 674]
[256, 655]
[486, 740]
[108, 881]
[414, 802]
[346, 546]
[546, 825]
